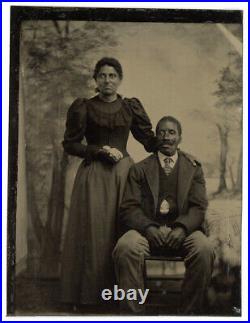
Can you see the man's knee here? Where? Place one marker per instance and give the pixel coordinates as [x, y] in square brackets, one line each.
[131, 243]
[198, 245]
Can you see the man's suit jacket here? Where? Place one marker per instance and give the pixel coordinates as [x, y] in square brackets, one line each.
[138, 207]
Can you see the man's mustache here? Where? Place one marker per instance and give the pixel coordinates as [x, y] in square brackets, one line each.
[168, 142]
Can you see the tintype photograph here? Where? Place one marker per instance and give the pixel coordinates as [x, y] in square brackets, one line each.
[125, 162]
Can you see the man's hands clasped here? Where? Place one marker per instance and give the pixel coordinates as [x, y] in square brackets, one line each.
[176, 238]
[173, 238]
[155, 236]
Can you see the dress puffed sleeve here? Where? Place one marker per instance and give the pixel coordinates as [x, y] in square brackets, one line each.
[75, 130]
[141, 126]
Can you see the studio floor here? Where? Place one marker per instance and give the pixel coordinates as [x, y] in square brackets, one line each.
[40, 297]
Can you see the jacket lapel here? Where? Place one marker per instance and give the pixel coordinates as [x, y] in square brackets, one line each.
[185, 175]
[152, 175]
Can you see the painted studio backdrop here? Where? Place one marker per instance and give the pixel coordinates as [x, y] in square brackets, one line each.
[190, 71]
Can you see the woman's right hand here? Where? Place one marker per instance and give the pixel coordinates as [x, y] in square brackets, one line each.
[116, 154]
[111, 155]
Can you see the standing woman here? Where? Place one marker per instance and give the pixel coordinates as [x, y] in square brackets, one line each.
[105, 121]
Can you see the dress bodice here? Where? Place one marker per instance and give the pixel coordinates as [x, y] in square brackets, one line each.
[103, 123]
[108, 124]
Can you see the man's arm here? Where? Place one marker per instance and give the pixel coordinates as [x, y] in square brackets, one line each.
[131, 213]
[185, 224]
[197, 204]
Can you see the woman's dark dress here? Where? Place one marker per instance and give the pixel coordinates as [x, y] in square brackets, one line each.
[87, 266]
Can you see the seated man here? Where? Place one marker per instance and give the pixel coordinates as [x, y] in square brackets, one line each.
[162, 211]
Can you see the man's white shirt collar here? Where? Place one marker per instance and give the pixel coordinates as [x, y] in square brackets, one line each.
[162, 157]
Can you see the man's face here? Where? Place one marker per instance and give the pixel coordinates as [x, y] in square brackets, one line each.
[169, 135]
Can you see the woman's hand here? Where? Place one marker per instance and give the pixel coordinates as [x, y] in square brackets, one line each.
[116, 154]
[111, 155]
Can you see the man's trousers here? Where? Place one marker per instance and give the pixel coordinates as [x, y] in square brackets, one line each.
[198, 253]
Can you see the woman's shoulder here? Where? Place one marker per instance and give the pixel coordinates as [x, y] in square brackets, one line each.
[135, 106]
[78, 105]
[133, 102]
[77, 111]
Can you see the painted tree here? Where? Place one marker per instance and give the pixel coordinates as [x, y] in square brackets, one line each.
[229, 115]
[55, 65]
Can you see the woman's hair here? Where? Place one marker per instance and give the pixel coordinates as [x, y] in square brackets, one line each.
[110, 61]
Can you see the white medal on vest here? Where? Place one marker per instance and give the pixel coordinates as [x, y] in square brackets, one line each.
[164, 208]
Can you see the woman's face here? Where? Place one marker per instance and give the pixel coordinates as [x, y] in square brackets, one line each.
[107, 80]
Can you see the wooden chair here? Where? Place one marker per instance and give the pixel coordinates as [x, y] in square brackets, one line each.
[163, 276]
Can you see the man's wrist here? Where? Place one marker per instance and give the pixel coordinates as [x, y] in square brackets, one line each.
[150, 226]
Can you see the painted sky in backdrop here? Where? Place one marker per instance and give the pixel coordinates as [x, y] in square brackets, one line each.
[172, 69]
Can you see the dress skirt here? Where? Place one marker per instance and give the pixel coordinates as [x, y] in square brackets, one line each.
[87, 266]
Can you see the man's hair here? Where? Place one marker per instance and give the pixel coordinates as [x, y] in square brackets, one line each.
[171, 119]
[110, 61]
